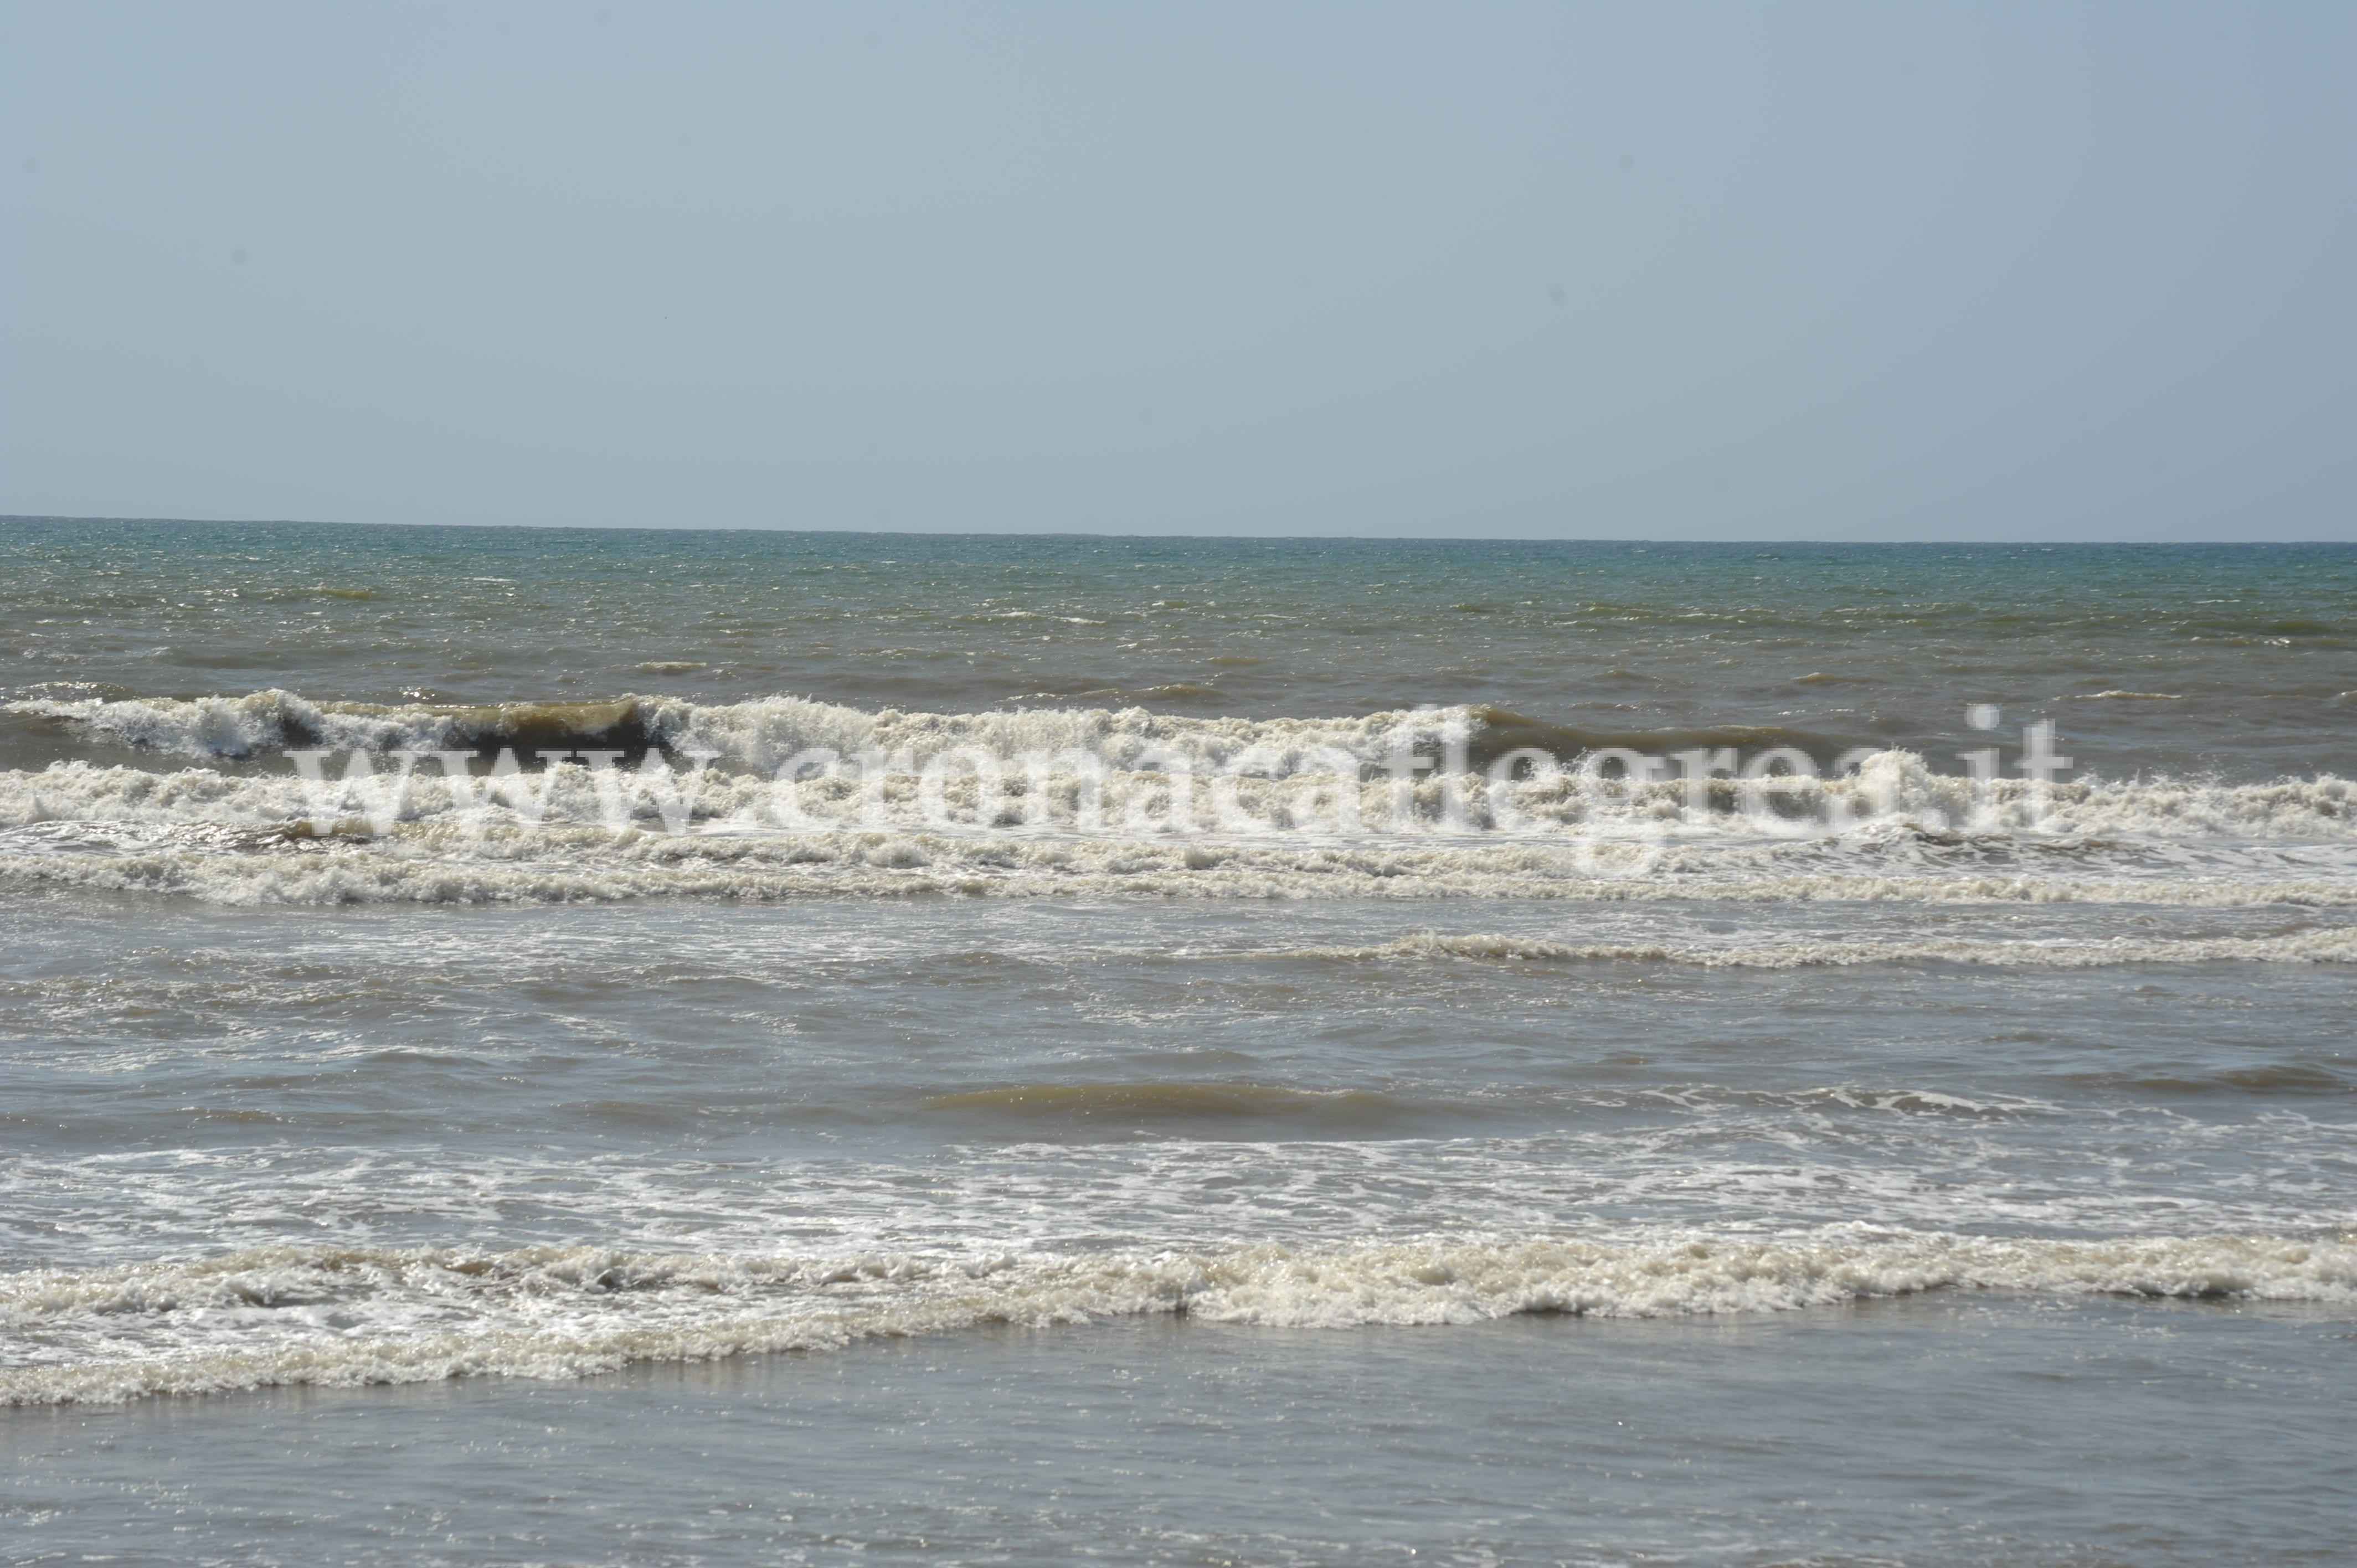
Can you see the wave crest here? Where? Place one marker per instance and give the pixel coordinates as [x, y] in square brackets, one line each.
[762, 732]
[353, 1316]
[781, 796]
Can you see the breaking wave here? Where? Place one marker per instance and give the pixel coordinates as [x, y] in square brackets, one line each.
[764, 733]
[445, 864]
[353, 1316]
[783, 797]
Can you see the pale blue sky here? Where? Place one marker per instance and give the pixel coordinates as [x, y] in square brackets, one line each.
[1797, 271]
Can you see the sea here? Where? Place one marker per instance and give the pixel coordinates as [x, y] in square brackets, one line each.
[688, 1046]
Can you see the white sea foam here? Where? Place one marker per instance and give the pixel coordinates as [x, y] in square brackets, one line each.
[226, 866]
[238, 726]
[760, 733]
[1084, 768]
[250, 858]
[352, 1316]
[764, 734]
[1072, 802]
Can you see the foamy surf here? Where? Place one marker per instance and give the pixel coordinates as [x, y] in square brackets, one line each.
[356, 1316]
[1073, 765]
[762, 732]
[261, 868]
[1891, 831]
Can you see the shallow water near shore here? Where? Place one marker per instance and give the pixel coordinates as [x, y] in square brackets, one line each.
[1988, 1430]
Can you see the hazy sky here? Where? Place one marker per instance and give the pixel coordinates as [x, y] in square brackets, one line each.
[1774, 271]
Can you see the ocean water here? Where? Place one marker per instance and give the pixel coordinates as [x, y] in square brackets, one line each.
[675, 1046]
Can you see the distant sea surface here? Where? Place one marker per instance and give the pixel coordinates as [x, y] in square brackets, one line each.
[695, 1046]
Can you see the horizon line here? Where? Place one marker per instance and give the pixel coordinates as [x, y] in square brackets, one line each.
[1083, 533]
